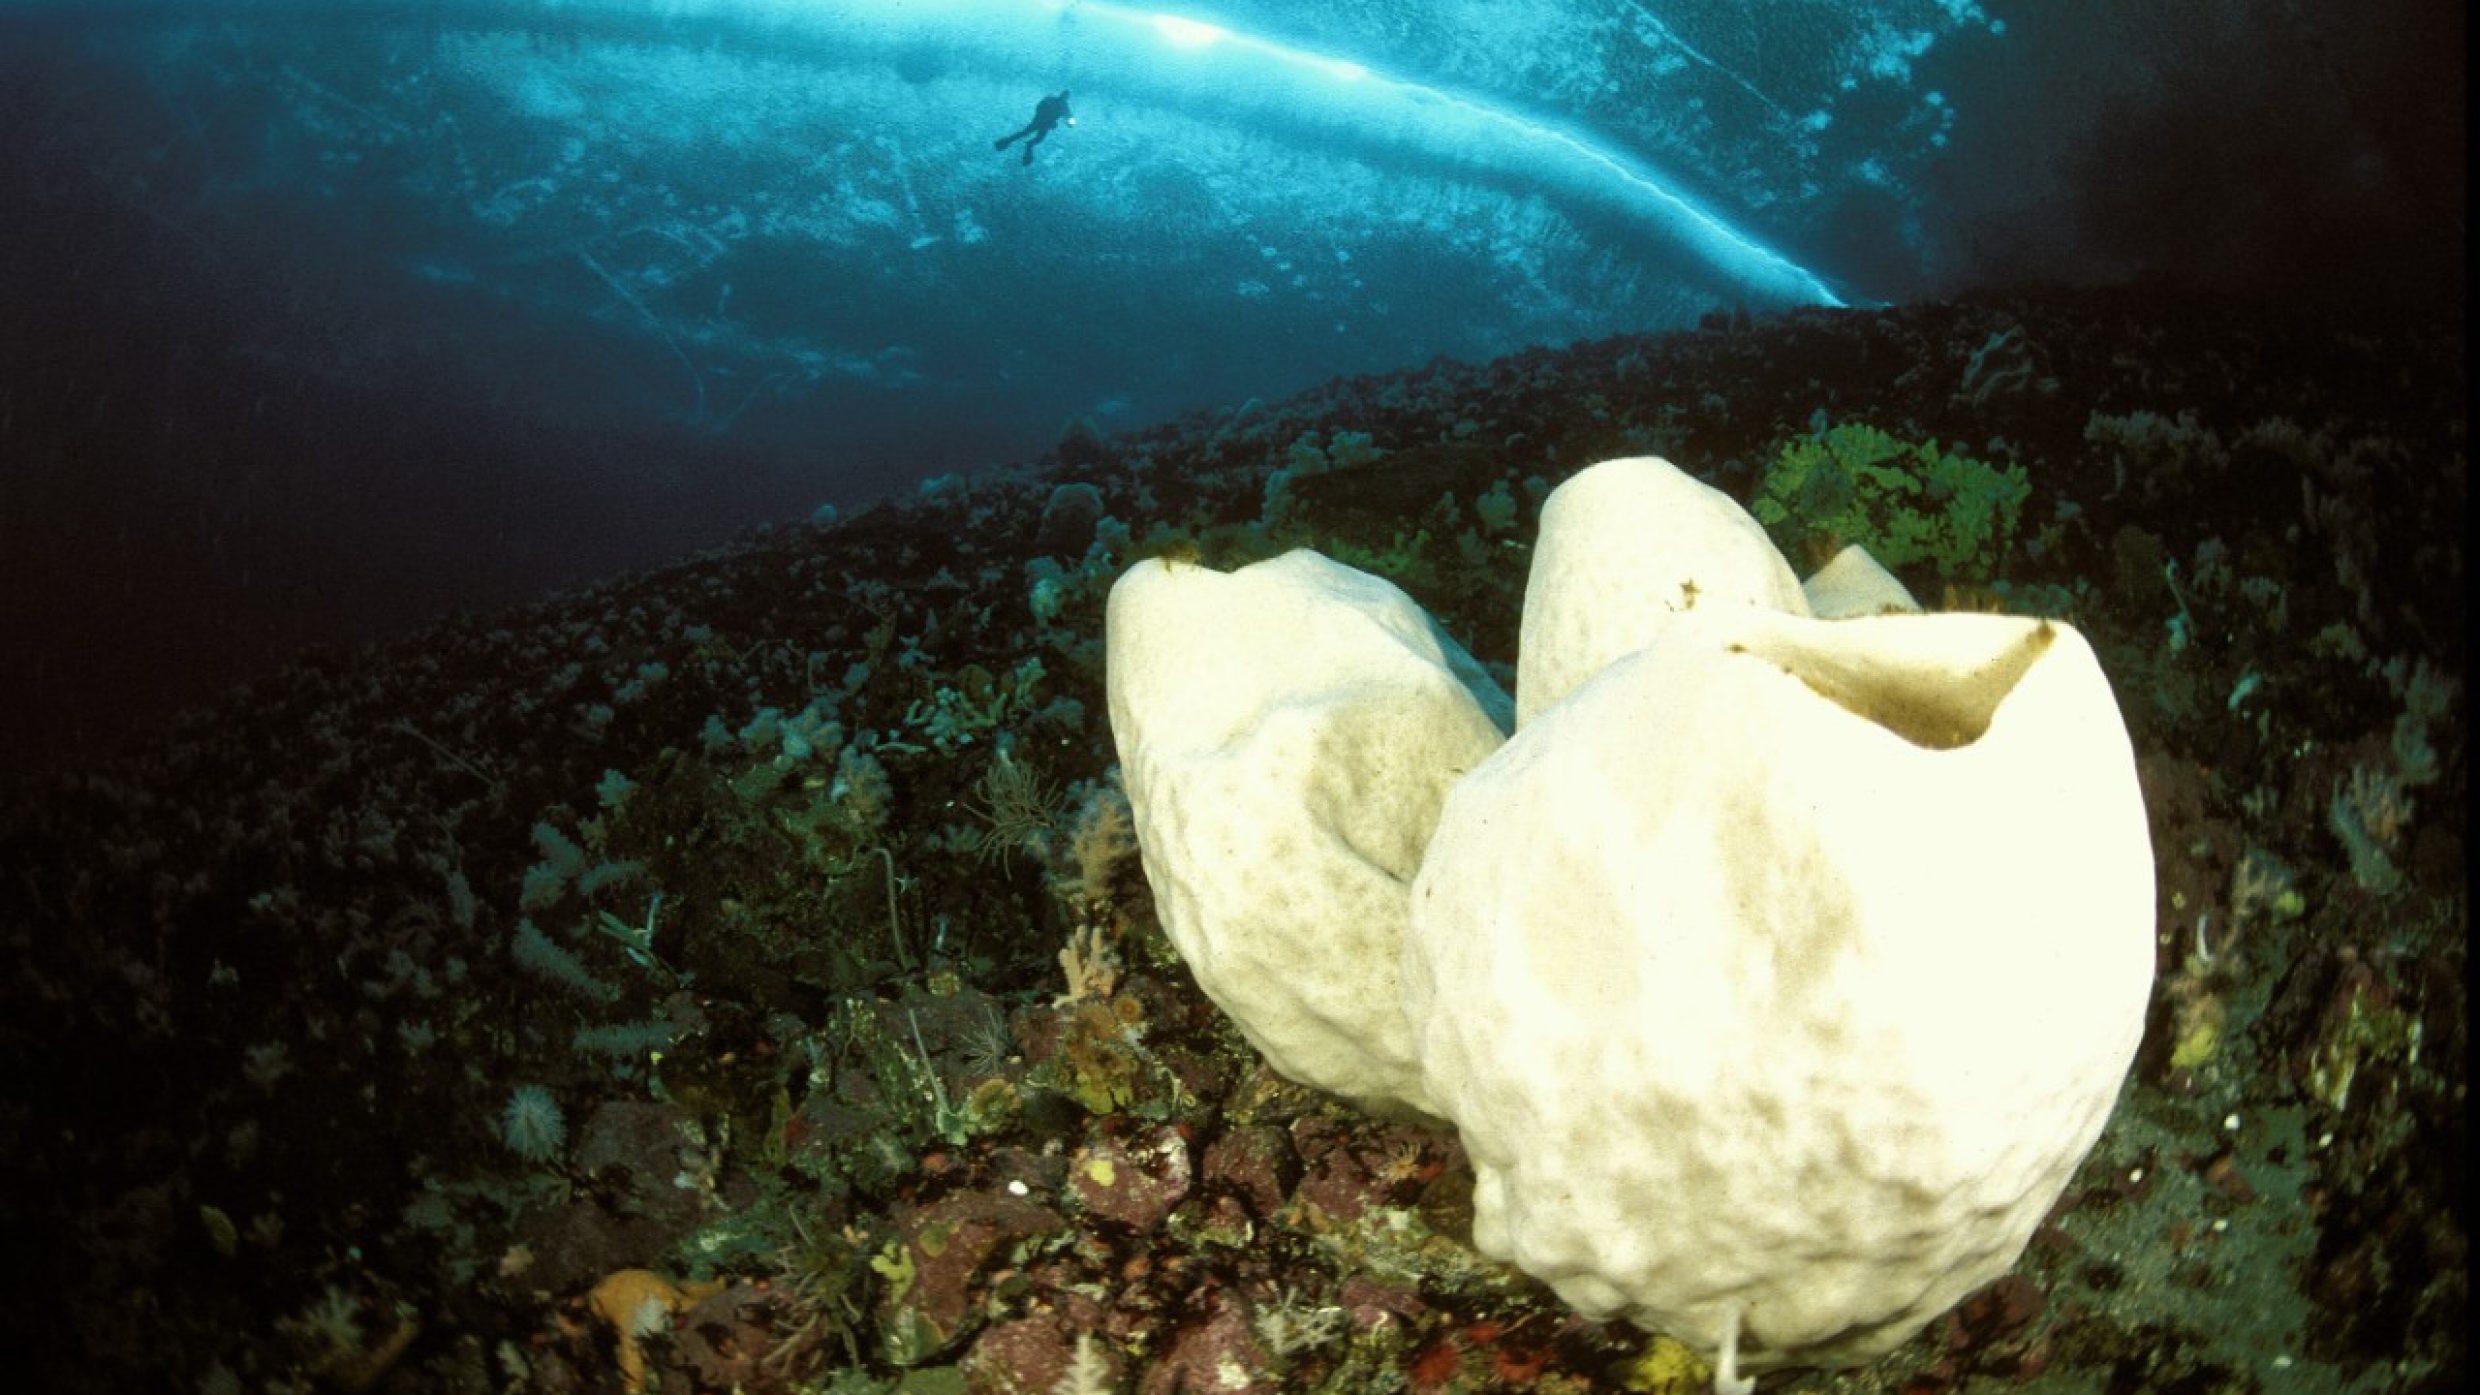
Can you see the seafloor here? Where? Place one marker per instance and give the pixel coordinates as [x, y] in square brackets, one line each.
[753, 952]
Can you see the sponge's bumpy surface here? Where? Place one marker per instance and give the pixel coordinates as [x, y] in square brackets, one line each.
[1287, 733]
[1785, 970]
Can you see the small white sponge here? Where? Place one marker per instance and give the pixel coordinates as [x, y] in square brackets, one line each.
[1624, 546]
[1287, 733]
[1855, 583]
[1782, 974]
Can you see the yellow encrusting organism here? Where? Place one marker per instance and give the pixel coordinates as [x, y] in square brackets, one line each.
[638, 1303]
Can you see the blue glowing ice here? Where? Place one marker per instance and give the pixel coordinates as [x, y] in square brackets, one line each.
[1204, 70]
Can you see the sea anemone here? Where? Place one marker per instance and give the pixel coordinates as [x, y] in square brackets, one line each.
[532, 1125]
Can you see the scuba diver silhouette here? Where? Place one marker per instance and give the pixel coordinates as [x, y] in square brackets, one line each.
[1049, 112]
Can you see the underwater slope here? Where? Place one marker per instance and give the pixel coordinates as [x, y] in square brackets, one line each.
[765, 920]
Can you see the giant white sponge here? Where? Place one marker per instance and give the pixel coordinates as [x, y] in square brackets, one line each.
[1287, 733]
[1780, 974]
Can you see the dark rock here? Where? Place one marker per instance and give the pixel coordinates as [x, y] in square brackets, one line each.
[1346, 1169]
[1029, 1356]
[1255, 1164]
[1217, 1350]
[1374, 1303]
[1133, 1182]
[947, 1248]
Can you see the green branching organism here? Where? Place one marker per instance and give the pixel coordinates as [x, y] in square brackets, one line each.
[1908, 503]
